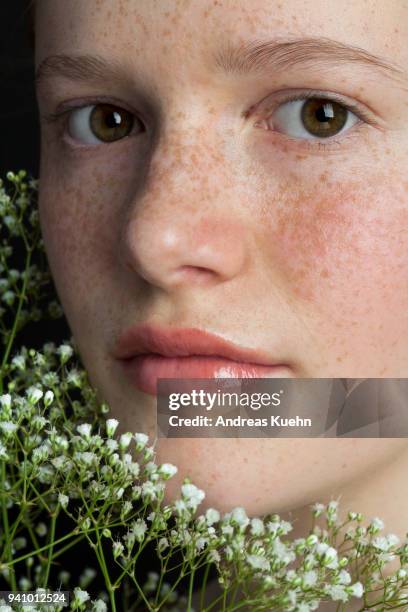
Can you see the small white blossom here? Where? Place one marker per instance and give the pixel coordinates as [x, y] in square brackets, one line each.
[141, 440]
[19, 362]
[309, 578]
[5, 401]
[193, 496]
[99, 606]
[139, 529]
[125, 440]
[8, 427]
[212, 516]
[80, 596]
[162, 544]
[356, 589]
[34, 394]
[111, 426]
[63, 500]
[239, 516]
[257, 527]
[117, 549]
[344, 577]
[84, 430]
[337, 592]
[48, 398]
[258, 562]
[167, 470]
[65, 352]
[317, 509]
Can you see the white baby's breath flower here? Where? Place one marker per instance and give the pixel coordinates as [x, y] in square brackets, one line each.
[74, 378]
[3, 452]
[344, 577]
[34, 394]
[309, 579]
[337, 592]
[376, 525]
[63, 500]
[19, 362]
[141, 440]
[111, 426]
[214, 556]
[65, 351]
[80, 596]
[48, 398]
[212, 516]
[84, 430]
[318, 508]
[193, 496]
[162, 544]
[139, 529]
[99, 606]
[239, 517]
[5, 402]
[117, 549]
[167, 470]
[258, 562]
[356, 589]
[257, 527]
[125, 440]
[8, 427]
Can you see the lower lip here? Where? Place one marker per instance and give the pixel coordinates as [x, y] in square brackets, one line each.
[144, 370]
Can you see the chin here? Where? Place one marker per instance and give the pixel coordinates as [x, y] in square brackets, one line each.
[230, 473]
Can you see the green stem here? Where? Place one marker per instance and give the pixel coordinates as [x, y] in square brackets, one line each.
[6, 528]
[204, 584]
[51, 549]
[190, 589]
[16, 320]
[102, 563]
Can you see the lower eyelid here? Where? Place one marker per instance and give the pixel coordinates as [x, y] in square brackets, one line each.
[333, 143]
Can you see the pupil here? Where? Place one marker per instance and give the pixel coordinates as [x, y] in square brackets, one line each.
[324, 114]
[113, 119]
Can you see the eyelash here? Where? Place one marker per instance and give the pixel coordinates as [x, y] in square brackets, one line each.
[363, 116]
[62, 116]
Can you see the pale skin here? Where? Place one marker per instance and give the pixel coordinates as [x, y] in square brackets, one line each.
[201, 218]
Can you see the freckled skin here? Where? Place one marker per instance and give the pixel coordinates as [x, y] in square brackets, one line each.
[204, 220]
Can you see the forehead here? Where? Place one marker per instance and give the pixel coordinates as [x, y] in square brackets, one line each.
[188, 30]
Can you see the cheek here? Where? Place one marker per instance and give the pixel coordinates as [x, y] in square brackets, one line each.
[343, 245]
[78, 225]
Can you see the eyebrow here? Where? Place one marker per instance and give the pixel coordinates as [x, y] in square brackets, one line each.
[281, 55]
[251, 57]
[78, 68]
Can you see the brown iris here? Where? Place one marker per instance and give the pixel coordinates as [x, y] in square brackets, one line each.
[323, 118]
[109, 123]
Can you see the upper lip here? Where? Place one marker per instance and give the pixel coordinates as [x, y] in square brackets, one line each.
[183, 342]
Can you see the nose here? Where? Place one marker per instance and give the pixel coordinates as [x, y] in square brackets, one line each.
[185, 226]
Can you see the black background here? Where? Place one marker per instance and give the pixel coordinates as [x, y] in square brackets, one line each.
[19, 140]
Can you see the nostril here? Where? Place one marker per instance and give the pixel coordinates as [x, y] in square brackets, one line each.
[196, 273]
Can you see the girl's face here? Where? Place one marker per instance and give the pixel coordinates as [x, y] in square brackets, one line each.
[216, 196]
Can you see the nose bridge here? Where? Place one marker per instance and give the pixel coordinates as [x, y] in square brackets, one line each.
[180, 219]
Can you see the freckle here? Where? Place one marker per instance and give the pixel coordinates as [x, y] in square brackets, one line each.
[325, 273]
[339, 359]
[344, 465]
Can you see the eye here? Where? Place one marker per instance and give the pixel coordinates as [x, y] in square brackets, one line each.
[312, 118]
[100, 123]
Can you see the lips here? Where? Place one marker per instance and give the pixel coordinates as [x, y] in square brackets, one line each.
[149, 352]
